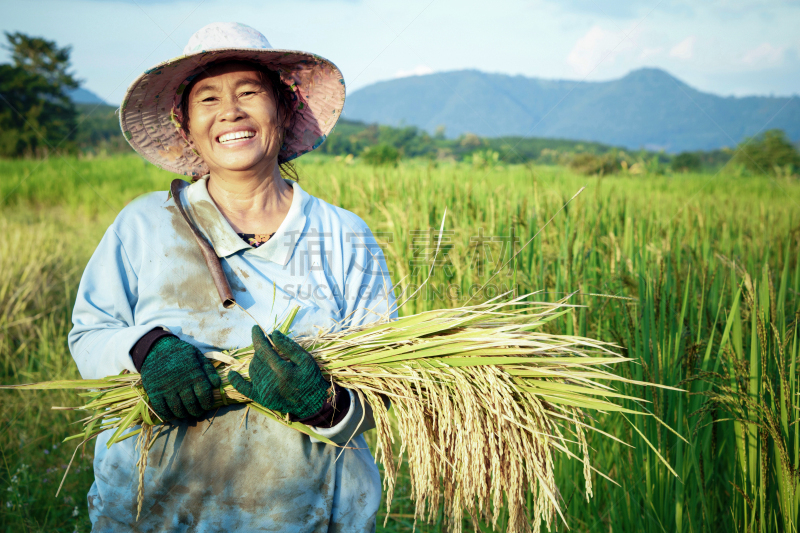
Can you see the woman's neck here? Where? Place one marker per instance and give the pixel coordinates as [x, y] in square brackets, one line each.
[252, 204]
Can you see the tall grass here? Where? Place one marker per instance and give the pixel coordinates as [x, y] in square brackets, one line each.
[38, 277]
[690, 258]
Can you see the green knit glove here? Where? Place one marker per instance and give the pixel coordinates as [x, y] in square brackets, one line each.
[178, 379]
[293, 384]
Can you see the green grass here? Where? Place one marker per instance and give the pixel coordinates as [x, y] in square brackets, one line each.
[678, 246]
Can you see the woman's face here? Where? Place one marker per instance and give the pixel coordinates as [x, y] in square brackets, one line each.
[233, 120]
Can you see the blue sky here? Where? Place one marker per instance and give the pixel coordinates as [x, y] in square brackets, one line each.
[729, 47]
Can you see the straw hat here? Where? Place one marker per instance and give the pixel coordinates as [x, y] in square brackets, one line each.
[150, 112]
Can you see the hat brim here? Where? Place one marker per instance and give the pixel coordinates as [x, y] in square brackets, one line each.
[145, 113]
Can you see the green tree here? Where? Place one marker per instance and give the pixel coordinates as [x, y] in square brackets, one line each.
[40, 56]
[687, 162]
[591, 164]
[36, 113]
[769, 152]
[381, 154]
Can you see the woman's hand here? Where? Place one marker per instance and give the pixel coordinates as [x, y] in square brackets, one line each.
[178, 379]
[295, 386]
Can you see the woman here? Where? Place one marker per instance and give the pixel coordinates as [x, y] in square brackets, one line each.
[232, 112]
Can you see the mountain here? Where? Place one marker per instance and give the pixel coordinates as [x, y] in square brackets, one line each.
[648, 108]
[84, 96]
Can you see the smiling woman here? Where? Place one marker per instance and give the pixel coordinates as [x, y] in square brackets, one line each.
[250, 80]
[232, 112]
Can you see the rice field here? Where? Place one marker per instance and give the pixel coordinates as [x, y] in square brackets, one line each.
[704, 271]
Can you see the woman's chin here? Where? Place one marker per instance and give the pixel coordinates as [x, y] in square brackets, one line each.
[242, 164]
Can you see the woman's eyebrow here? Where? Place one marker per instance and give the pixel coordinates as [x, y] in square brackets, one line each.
[246, 81]
[211, 87]
[205, 88]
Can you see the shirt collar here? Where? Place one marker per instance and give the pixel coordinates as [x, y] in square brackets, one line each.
[208, 219]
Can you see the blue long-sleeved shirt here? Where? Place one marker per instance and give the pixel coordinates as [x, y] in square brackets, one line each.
[230, 470]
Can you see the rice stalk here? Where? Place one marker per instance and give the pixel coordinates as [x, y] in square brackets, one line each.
[484, 399]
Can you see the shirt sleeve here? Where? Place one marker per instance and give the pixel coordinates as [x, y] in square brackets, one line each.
[104, 330]
[358, 419]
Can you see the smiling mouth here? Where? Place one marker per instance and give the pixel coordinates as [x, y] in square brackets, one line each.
[235, 136]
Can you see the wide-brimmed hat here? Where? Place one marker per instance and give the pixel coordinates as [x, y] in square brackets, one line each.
[150, 113]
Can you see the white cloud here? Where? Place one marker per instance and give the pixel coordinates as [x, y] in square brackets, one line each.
[684, 49]
[649, 52]
[763, 53]
[419, 70]
[595, 47]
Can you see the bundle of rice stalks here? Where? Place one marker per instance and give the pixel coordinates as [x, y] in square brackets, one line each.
[484, 402]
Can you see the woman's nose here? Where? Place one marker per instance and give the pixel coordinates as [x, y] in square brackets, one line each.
[231, 108]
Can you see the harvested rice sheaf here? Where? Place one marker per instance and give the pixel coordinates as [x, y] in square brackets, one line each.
[484, 402]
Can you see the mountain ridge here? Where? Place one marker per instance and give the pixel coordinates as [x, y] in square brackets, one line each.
[84, 96]
[647, 108]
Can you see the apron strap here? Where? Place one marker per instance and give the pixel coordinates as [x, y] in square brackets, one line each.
[210, 256]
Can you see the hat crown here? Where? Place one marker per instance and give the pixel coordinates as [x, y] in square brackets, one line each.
[225, 35]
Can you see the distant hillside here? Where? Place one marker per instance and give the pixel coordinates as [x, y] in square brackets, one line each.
[98, 129]
[84, 96]
[648, 108]
[351, 137]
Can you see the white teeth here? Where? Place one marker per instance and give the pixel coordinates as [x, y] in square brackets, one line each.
[236, 135]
